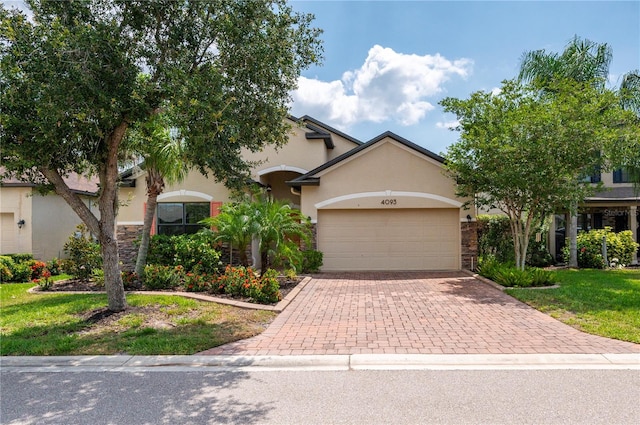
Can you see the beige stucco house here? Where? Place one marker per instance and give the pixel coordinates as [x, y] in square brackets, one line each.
[40, 224]
[380, 205]
[617, 206]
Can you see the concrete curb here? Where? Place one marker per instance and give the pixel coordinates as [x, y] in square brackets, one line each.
[277, 308]
[345, 362]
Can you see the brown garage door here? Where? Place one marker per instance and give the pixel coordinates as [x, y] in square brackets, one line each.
[400, 239]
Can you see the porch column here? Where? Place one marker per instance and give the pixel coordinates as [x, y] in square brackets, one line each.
[633, 224]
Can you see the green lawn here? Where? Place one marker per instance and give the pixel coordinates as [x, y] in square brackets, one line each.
[601, 302]
[65, 324]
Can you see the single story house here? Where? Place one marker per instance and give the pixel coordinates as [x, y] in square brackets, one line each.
[40, 224]
[381, 205]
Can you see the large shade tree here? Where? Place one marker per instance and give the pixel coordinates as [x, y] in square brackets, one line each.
[524, 150]
[71, 87]
[588, 62]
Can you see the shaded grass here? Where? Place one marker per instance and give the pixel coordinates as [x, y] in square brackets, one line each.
[600, 302]
[77, 324]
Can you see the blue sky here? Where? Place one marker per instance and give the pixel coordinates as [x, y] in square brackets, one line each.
[387, 64]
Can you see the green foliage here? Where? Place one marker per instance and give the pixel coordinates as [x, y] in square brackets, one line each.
[267, 289]
[6, 268]
[161, 250]
[194, 252]
[22, 272]
[84, 254]
[54, 266]
[235, 225]
[280, 226]
[495, 240]
[620, 248]
[510, 276]
[21, 258]
[76, 75]
[97, 275]
[162, 277]
[312, 261]
[525, 149]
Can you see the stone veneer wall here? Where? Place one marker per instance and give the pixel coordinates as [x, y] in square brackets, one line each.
[469, 245]
[127, 249]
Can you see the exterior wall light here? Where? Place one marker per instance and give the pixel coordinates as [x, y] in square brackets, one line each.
[21, 223]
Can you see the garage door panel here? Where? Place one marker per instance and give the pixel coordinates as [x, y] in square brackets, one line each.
[426, 239]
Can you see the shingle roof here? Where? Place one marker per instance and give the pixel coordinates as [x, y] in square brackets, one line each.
[76, 182]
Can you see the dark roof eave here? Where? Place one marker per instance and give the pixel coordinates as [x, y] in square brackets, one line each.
[311, 181]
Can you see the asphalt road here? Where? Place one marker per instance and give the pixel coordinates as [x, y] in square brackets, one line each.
[558, 396]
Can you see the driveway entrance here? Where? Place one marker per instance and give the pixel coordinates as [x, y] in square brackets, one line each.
[417, 313]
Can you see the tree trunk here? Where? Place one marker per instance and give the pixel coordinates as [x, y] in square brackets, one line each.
[108, 206]
[143, 250]
[573, 239]
[112, 277]
[155, 186]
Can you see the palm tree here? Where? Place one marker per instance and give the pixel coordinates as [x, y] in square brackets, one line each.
[279, 225]
[164, 162]
[236, 225]
[583, 61]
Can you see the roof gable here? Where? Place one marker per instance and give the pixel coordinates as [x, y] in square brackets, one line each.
[312, 178]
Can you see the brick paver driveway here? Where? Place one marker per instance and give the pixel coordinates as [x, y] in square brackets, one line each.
[414, 312]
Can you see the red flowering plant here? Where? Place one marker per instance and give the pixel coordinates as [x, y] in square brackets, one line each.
[37, 268]
[237, 281]
[195, 282]
[243, 282]
[44, 281]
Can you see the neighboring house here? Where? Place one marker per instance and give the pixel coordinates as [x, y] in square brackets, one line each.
[616, 206]
[382, 205]
[39, 224]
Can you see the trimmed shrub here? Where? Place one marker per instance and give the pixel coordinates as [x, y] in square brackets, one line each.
[198, 282]
[6, 268]
[311, 261]
[161, 250]
[194, 252]
[620, 246]
[162, 277]
[267, 290]
[21, 258]
[84, 254]
[21, 272]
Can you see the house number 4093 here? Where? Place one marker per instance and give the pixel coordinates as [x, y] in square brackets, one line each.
[389, 202]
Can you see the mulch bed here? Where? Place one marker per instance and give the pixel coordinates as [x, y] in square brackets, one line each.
[78, 285]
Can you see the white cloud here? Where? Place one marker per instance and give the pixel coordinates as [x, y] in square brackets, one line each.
[448, 124]
[388, 86]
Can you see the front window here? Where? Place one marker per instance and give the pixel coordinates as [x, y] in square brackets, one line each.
[177, 218]
[622, 175]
